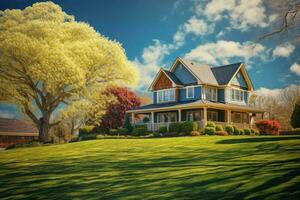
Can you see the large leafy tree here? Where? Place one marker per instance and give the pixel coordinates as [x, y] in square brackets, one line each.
[48, 59]
[116, 110]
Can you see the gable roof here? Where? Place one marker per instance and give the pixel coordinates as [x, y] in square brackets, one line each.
[169, 75]
[225, 73]
[202, 71]
[16, 127]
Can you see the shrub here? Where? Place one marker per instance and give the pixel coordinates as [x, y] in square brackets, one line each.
[209, 130]
[127, 124]
[241, 132]
[162, 129]
[236, 130]
[296, 131]
[85, 130]
[252, 130]
[229, 129]
[268, 127]
[221, 133]
[188, 127]
[122, 131]
[247, 131]
[211, 124]
[90, 136]
[156, 134]
[175, 127]
[113, 131]
[139, 130]
[195, 133]
[219, 128]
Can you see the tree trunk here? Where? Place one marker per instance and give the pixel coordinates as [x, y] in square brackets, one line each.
[44, 128]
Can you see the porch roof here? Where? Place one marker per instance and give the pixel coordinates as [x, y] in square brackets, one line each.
[192, 105]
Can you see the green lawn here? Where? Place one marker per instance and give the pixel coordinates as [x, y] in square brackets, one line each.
[168, 168]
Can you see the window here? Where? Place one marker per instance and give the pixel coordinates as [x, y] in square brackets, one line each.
[210, 93]
[240, 117]
[190, 92]
[165, 96]
[212, 116]
[193, 115]
[166, 117]
[237, 95]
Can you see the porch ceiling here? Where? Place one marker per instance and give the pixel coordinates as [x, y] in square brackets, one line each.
[194, 104]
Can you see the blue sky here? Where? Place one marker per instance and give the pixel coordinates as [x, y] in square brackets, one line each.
[215, 32]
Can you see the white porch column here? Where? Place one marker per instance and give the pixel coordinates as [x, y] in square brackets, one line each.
[204, 116]
[179, 115]
[228, 116]
[152, 121]
[132, 118]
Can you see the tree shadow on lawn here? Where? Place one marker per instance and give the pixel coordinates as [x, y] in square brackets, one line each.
[196, 174]
[257, 139]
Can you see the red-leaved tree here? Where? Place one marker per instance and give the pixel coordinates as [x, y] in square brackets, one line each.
[268, 127]
[115, 113]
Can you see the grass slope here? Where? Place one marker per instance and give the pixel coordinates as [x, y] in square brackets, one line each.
[169, 168]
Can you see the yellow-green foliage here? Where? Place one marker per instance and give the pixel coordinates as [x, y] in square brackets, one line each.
[46, 57]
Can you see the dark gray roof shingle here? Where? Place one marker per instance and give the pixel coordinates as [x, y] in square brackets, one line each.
[173, 77]
[223, 74]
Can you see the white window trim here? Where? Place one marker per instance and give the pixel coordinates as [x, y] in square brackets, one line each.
[157, 95]
[187, 94]
[236, 100]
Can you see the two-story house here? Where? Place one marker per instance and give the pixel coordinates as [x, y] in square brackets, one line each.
[190, 91]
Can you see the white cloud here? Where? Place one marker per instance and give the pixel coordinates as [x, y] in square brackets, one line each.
[194, 26]
[242, 14]
[6, 114]
[283, 50]
[295, 68]
[274, 92]
[151, 62]
[222, 51]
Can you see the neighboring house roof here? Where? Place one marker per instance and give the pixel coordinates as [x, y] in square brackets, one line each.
[225, 73]
[193, 104]
[16, 127]
[202, 71]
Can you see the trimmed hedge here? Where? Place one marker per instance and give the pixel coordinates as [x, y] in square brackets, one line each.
[139, 130]
[247, 131]
[221, 133]
[113, 132]
[209, 130]
[219, 128]
[123, 131]
[195, 133]
[188, 127]
[229, 129]
[163, 130]
[175, 127]
[211, 124]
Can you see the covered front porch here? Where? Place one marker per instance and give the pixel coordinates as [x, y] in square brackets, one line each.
[222, 114]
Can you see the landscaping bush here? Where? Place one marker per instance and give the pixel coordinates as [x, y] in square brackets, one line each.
[295, 117]
[127, 124]
[229, 129]
[156, 134]
[236, 130]
[195, 133]
[90, 136]
[209, 130]
[296, 131]
[247, 131]
[175, 127]
[221, 133]
[139, 130]
[219, 128]
[211, 124]
[268, 127]
[188, 127]
[85, 130]
[163, 129]
[241, 132]
[122, 131]
[113, 132]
